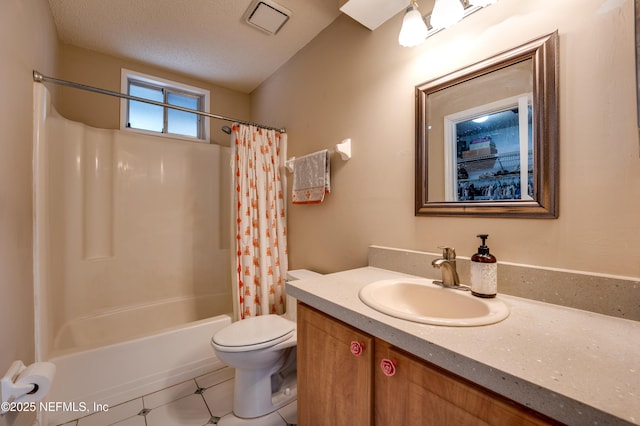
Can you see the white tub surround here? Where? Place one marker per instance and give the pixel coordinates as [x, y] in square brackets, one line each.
[575, 366]
[128, 238]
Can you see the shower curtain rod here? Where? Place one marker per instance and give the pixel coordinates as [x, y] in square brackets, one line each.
[40, 78]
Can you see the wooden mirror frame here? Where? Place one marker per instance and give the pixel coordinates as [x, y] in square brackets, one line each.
[544, 55]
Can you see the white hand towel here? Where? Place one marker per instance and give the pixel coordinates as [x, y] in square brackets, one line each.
[311, 178]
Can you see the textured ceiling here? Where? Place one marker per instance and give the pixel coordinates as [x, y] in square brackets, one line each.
[206, 39]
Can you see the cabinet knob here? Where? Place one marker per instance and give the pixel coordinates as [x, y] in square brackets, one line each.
[388, 367]
[357, 348]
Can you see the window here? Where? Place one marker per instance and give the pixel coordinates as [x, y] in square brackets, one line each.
[141, 116]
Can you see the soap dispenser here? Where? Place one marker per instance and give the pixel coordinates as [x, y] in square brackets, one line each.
[484, 271]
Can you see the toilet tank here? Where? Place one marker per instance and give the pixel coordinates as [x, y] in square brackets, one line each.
[294, 275]
[301, 274]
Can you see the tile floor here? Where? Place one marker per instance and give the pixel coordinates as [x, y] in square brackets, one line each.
[198, 402]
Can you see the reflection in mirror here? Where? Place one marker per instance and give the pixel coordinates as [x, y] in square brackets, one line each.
[487, 137]
[490, 149]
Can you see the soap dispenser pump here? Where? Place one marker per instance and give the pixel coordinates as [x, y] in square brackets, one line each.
[484, 271]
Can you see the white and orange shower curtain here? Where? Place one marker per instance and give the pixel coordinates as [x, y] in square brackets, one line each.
[260, 220]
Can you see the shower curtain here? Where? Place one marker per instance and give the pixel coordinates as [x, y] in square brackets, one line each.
[259, 209]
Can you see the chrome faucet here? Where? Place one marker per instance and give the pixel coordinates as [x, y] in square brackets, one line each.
[447, 263]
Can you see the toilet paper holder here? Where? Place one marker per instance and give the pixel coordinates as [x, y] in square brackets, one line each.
[11, 388]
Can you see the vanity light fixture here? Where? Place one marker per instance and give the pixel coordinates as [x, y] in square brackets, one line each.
[414, 29]
[446, 13]
[481, 3]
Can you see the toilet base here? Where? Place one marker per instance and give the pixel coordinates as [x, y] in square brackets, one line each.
[261, 391]
[271, 419]
[250, 402]
[284, 417]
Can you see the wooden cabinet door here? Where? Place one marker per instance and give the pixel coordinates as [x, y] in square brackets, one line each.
[335, 386]
[419, 393]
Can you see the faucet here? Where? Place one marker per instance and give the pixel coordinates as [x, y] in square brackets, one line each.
[447, 263]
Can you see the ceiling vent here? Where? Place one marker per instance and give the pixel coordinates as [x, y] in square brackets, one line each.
[267, 16]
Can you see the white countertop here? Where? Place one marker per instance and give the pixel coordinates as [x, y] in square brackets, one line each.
[575, 366]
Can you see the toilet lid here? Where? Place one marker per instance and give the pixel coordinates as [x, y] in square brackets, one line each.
[254, 333]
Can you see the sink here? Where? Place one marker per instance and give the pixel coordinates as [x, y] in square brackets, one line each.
[420, 300]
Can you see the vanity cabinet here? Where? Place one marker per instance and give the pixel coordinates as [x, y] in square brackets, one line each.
[346, 376]
[419, 392]
[335, 387]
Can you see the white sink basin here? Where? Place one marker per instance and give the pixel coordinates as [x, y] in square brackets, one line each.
[419, 300]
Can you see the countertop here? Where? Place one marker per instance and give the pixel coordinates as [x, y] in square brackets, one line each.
[575, 366]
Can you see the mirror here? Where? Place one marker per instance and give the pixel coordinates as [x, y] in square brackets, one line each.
[487, 137]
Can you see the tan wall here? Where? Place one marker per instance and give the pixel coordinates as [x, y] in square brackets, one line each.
[351, 82]
[103, 71]
[28, 41]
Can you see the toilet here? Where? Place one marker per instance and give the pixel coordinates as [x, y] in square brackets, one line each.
[263, 352]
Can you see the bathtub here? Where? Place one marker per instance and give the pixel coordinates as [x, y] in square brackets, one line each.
[119, 372]
[134, 321]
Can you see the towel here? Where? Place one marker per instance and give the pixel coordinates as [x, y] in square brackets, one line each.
[311, 178]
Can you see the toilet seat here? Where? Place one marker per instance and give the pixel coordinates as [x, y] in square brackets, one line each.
[253, 333]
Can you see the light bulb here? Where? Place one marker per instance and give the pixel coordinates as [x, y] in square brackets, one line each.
[446, 13]
[414, 30]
